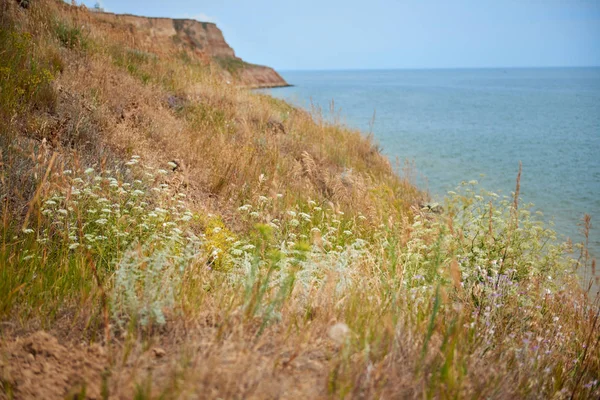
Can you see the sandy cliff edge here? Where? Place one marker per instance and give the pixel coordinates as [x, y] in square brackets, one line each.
[203, 39]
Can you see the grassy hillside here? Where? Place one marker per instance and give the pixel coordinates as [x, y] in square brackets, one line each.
[168, 235]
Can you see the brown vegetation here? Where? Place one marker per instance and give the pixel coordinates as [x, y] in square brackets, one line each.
[176, 236]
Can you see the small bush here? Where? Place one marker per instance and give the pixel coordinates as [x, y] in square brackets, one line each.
[70, 36]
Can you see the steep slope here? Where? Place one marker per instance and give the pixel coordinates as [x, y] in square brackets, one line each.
[203, 40]
[178, 236]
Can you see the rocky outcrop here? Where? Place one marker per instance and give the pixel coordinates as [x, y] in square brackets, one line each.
[203, 39]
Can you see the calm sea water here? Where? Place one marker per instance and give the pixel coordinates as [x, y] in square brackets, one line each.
[461, 125]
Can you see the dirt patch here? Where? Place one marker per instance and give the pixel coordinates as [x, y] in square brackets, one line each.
[38, 367]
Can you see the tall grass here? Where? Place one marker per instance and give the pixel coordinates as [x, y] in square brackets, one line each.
[269, 252]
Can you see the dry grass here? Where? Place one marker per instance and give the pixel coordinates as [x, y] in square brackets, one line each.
[279, 257]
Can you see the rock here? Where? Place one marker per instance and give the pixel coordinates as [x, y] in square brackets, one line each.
[203, 41]
[158, 352]
[432, 207]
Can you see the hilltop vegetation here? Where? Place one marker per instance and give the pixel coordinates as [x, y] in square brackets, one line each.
[166, 234]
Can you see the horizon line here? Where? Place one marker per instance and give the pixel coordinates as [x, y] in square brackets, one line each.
[433, 68]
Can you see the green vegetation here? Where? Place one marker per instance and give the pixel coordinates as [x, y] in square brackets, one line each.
[231, 65]
[230, 245]
[71, 37]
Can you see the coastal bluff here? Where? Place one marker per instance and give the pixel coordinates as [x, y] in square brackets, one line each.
[199, 40]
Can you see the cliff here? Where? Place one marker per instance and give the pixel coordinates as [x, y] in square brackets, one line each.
[201, 40]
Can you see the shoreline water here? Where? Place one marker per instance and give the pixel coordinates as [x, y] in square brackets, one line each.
[459, 124]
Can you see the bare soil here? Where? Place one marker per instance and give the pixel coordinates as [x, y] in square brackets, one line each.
[39, 367]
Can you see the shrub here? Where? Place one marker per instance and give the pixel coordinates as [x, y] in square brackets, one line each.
[71, 37]
[24, 77]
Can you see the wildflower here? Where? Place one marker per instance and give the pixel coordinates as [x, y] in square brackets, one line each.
[49, 203]
[172, 165]
[305, 216]
[137, 192]
[28, 231]
[101, 221]
[262, 199]
[89, 171]
[63, 211]
[294, 222]
[73, 246]
[67, 172]
[217, 230]
[254, 214]
[291, 213]
[279, 195]
[245, 207]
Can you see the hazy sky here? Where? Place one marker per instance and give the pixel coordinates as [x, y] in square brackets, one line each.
[350, 34]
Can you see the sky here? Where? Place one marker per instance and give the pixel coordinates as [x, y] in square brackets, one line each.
[382, 34]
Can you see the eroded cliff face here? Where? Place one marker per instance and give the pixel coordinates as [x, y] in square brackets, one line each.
[203, 39]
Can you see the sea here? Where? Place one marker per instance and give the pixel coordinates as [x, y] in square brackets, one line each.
[455, 125]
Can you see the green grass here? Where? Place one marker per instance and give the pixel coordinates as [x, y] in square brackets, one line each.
[232, 65]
